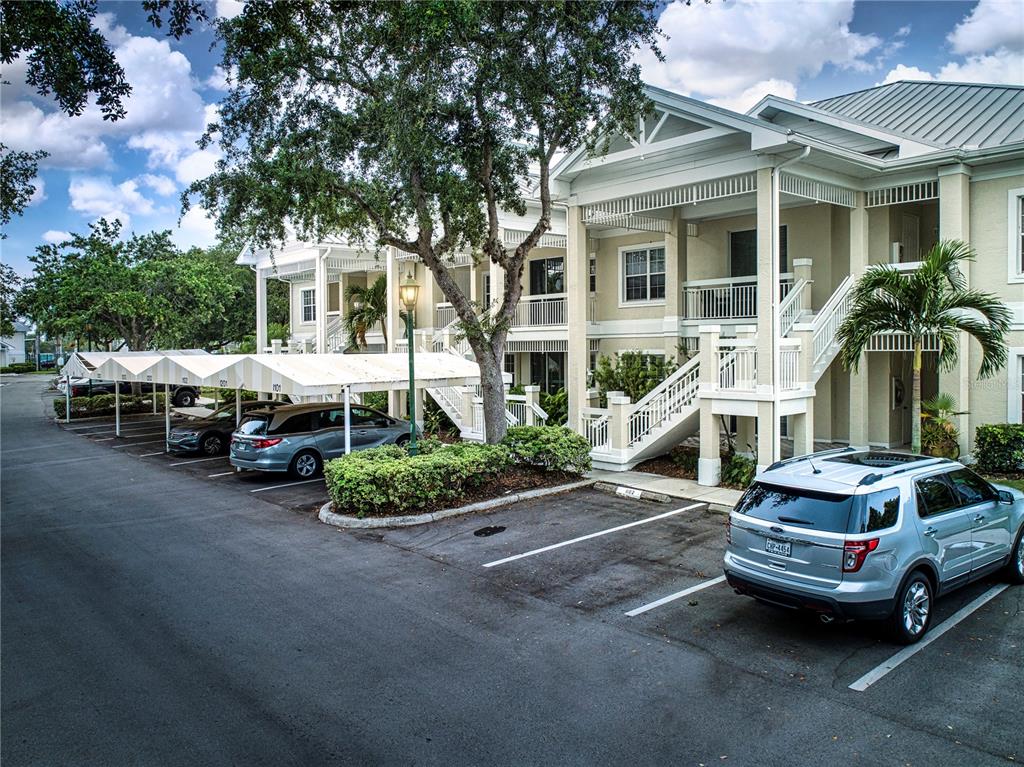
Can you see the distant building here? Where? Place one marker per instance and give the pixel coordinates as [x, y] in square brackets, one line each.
[12, 348]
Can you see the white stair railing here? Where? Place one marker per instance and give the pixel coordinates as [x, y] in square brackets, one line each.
[826, 324]
[594, 425]
[792, 306]
[672, 396]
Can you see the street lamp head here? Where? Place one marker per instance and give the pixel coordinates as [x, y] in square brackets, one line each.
[409, 291]
[357, 304]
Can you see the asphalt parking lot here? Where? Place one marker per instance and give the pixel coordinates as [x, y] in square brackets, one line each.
[582, 628]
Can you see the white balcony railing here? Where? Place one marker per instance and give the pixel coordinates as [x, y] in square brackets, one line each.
[444, 315]
[737, 365]
[594, 425]
[538, 311]
[727, 298]
[789, 366]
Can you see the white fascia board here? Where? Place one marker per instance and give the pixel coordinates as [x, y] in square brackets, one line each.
[909, 147]
[648, 150]
[686, 106]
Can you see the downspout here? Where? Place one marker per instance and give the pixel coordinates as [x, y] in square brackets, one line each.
[776, 290]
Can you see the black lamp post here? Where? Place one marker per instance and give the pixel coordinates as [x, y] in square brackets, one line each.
[408, 292]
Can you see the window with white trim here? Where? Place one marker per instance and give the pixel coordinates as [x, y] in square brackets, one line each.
[643, 273]
[1015, 239]
[307, 300]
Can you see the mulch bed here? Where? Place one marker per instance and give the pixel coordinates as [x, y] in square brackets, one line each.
[666, 467]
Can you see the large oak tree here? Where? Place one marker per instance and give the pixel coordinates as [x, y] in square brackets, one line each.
[411, 124]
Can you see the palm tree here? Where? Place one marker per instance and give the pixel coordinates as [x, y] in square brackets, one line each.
[934, 300]
[369, 307]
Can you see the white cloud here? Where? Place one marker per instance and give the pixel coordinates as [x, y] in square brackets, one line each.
[724, 50]
[228, 9]
[903, 31]
[55, 236]
[756, 92]
[991, 24]
[195, 228]
[218, 80]
[162, 185]
[39, 193]
[903, 72]
[99, 197]
[165, 113]
[197, 165]
[1003, 66]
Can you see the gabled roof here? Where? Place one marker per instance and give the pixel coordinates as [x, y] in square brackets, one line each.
[947, 115]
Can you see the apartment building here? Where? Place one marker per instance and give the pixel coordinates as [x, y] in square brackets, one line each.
[729, 242]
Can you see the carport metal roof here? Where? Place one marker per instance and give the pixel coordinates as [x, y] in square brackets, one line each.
[85, 364]
[306, 375]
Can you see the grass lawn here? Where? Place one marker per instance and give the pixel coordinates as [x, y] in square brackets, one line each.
[1017, 483]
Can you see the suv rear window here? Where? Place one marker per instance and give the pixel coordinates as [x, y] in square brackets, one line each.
[253, 425]
[296, 424]
[828, 512]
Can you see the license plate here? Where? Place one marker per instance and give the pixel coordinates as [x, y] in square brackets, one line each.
[782, 548]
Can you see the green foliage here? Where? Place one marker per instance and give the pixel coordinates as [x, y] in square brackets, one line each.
[633, 373]
[939, 434]
[387, 481]
[20, 367]
[556, 405]
[224, 396]
[378, 400]
[103, 404]
[686, 459]
[372, 311]
[9, 282]
[999, 448]
[17, 169]
[738, 471]
[552, 448]
[142, 290]
[435, 420]
[933, 300]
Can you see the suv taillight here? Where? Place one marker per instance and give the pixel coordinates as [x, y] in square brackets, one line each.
[261, 444]
[728, 530]
[855, 552]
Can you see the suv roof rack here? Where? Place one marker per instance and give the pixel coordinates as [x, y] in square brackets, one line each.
[811, 456]
[870, 479]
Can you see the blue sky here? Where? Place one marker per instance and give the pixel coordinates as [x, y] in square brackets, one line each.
[730, 53]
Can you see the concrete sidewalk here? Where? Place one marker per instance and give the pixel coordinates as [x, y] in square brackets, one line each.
[717, 498]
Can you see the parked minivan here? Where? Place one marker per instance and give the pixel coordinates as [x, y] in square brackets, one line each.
[860, 534]
[299, 438]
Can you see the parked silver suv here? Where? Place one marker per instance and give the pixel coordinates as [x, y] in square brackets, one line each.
[858, 534]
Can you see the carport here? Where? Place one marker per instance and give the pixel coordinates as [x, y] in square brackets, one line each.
[301, 376]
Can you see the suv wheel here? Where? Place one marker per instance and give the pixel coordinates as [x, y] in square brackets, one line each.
[211, 444]
[913, 613]
[306, 465]
[1015, 567]
[184, 398]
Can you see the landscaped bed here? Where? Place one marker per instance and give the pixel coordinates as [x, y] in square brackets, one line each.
[388, 482]
[681, 463]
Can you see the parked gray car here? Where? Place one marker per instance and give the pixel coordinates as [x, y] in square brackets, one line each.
[299, 438]
[212, 434]
[856, 534]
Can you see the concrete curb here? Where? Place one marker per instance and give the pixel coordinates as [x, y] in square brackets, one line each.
[632, 492]
[329, 517]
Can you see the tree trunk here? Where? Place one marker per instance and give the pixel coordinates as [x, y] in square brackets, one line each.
[492, 389]
[915, 401]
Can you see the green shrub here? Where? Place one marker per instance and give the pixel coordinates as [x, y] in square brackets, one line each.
[633, 373]
[19, 367]
[224, 396]
[435, 420]
[552, 448]
[387, 481]
[103, 404]
[738, 471]
[686, 459]
[556, 405]
[999, 448]
[378, 400]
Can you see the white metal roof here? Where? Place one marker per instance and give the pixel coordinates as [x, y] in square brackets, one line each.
[948, 115]
[307, 375]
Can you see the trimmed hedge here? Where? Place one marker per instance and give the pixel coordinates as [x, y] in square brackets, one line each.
[387, 481]
[103, 404]
[19, 367]
[999, 448]
[552, 448]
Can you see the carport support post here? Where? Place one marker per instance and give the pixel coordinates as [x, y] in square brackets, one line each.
[67, 400]
[167, 411]
[117, 408]
[238, 406]
[348, 422]
[152, 393]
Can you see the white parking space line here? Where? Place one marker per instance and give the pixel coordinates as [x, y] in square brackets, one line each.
[199, 460]
[127, 436]
[133, 444]
[593, 535]
[150, 455]
[677, 595]
[287, 484]
[908, 652]
[222, 474]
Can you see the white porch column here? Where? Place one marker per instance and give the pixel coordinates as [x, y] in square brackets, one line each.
[709, 464]
[769, 448]
[261, 311]
[675, 258]
[955, 224]
[532, 398]
[577, 283]
[394, 324]
[859, 389]
[497, 275]
[320, 297]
